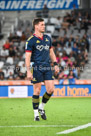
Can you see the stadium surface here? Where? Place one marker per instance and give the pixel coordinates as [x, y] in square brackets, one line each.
[16, 117]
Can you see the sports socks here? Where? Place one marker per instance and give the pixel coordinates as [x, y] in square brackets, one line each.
[35, 102]
[45, 99]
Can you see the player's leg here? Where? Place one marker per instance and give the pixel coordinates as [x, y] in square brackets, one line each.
[35, 100]
[37, 79]
[49, 84]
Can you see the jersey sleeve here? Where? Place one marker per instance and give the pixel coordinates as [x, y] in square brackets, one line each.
[29, 46]
[50, 44]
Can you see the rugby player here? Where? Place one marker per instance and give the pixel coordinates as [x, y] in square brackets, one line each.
[39, 50]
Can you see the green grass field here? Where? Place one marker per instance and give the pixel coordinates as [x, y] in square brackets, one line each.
[59, 111]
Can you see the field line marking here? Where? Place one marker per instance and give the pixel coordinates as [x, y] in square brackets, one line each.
[40, 126]
[75, 129]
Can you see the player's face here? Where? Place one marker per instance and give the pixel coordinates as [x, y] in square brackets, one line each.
[41, 27]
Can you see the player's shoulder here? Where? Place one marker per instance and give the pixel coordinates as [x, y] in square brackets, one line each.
[31, 38]
[47, 36]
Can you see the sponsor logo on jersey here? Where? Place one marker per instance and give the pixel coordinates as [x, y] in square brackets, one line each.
[37, 41]
[41, 47]
[46, 47]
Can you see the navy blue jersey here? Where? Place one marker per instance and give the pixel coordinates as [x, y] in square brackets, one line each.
[40, 49]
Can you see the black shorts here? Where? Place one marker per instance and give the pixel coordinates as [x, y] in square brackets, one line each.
[41, 73]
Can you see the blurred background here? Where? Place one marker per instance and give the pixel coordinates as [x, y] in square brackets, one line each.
[68, 23]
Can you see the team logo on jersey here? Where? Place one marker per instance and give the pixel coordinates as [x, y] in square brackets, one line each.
[37, 41]
[47, 40]
[41, 47]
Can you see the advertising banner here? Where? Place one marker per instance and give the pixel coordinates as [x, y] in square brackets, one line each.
[72, 91]
[66, 91]
[60, 91]
[12, 5]
[17, 91]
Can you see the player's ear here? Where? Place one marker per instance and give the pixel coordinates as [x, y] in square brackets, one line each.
[36, 26]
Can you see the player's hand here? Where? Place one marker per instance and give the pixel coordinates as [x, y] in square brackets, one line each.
[56, 68]
[29, 75]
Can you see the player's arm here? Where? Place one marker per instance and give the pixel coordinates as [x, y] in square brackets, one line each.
[28, 50]
[27, 62]
[52, 55]
[53, 59]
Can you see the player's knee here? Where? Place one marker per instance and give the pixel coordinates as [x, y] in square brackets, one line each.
[37, 91]
[50, 90]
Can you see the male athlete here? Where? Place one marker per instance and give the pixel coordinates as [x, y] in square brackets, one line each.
[39, 50]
